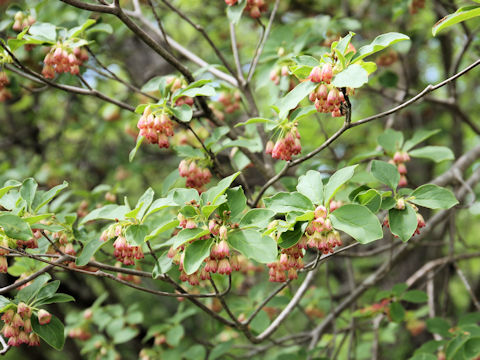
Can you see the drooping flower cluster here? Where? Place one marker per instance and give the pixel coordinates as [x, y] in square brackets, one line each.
[256, 7]
[155, 128]
[327, 98]
[82, 331]
[3, 252]
[123, 251]
[196, 176]
[229, 101]
[319, 232]
[64, 243]
[62, 59]
[399, 159]
[286, 146]
[18, 325]
[22, 21]
[277, 73]
[33, 242]
[288, 264]
[5, 94]
[415, 6]
[253, 7]
[222, 259]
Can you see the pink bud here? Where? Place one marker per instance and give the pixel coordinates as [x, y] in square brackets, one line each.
[22, 308]
[332, 96]
[315, 75]
[269, 147]
[3, 264]
[402, 169]
[223, 232]
[17, 321]
[327, 73]
[224, 267]
[33, 340]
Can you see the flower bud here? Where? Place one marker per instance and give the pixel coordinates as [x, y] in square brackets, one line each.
[315, 75]
[327, 73]
[44, 317]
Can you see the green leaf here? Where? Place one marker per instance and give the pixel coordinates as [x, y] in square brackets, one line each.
[256, 218]
[391, 141]
[399, 289]
[29, 292]
[435, 153]
[106, 28]
[163, 265]
[133, 152]
[284, 202]
[212, 194]
[52, 333]
[339, 178]
[234, 12]
[403, 223]
[144, 202]
[183, 113]
[9, 187]
[254, 246]
[471, 349]
[88, 251]
[27, 191]
[169, 224]
[433, 197]
[174, 335]
[289, 238]
[187, 151]
[160, 204]
[397, 312]
[236, 202]
[223, 347]
[454, 349]
[183, 196]
[55, 299]
[124, 335]
[357, 221]
[107, 212]
[154, 84]
[187, 235]
[195, 253]
[354, 76]
[303, 112]
[76, 31]
[15, 227]
[378, 44]
[418, 137]
[311, 186]
[342, 45]
[370, 198]
[195, 352]
[205, 90]
[415, 296]
[43, 32]
[135, 234]
[386, 173]
[46, 197]
[256, 121]
[48, 290]
[462, 14]
[291, 100]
